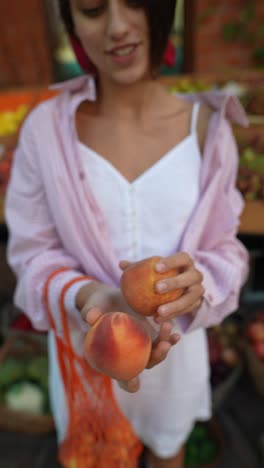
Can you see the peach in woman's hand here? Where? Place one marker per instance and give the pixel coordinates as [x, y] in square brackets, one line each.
[118, 345]
[138, 285]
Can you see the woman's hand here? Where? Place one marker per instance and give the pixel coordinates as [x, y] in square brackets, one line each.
[98, 295]
[189, 279]
[160, 347]
[101, 299]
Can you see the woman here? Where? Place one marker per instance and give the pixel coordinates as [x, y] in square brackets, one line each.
[114, 170]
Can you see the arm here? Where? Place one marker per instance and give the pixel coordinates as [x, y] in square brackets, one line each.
[212, 281]
[217, 253]
[34, 247]
[221, 257]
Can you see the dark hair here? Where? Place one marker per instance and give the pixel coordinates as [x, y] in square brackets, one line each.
[160, 16]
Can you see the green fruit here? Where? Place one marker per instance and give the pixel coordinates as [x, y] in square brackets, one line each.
[11, 370]
[191, 459]
[199, 433]
[207, 452]
[2, 397]
[193, 451]
[38, 370]
[25, 396]
[189, 462]
[47, 407]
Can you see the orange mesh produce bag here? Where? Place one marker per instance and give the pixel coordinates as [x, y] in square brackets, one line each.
[98, 434]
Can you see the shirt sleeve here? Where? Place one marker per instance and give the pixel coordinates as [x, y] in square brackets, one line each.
[220, 256]
[34, 249]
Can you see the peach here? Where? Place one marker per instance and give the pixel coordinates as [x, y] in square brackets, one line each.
[118, 345]
[138, 286]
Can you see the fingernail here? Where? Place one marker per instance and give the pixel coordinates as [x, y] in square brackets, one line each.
[166, 348]
[162, 310]
[175, 338]
[161, 287]
[160, 267]
[158, 320]
[133, 381]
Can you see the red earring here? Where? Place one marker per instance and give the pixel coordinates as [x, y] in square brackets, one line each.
[81, 56]
[169, 55]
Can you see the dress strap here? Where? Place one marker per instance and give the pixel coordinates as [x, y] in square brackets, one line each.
[194, 118]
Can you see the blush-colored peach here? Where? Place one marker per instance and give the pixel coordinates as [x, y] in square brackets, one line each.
[138, 286]
[118, 345]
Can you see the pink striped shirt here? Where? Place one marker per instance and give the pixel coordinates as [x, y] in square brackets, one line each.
[54, 221]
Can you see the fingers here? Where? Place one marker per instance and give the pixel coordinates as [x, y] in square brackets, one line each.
[159, 353]
[92, 315]
[190, 301]
[183, 280]
[180, 260]
[164, 333]
[130, 386]
[123, 264]
[174, 339]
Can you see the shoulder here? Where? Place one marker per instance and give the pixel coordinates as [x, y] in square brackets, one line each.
[35, 123]
[34, 135]
[214, 126]
[227, 109]
[204, 116]
[38, 112]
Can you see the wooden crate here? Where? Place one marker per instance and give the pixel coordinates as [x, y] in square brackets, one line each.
[252, 219]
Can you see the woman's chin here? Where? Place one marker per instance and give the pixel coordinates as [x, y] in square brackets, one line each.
[129, 76]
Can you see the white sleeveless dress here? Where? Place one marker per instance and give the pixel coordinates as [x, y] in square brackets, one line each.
[176, 393]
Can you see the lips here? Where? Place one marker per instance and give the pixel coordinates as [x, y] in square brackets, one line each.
[124, 50]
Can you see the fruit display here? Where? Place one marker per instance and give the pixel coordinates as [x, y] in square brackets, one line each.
[189, 85]
[250, 182]
[251, 139]
[24, 384]
[250, 91]
[202, 448]
[224, 351]
[14, 107]
[5, 170]
[250, 179]
[255, 335]
[138, 286]
[118, 345]
[253, 347]
[253, 100]
[11, 120]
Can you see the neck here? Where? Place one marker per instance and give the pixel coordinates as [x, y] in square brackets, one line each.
[130, 102]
